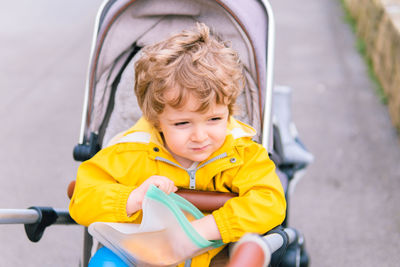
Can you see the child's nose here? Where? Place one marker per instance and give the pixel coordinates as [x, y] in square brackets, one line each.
[199, 134]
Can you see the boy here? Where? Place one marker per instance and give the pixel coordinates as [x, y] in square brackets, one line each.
[186, 87]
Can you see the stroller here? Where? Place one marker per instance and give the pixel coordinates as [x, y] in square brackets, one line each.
[123, 28]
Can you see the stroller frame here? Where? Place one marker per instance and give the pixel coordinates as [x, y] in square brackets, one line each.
[36, 219]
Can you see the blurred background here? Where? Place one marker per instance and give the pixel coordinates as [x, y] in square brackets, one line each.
[347, 203]
[43, 64]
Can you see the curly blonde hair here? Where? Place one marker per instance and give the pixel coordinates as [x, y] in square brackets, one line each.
[194, 63]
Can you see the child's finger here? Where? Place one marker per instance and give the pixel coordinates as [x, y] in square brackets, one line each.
[174, 188]
[163, 186]
[167, 184]
[171, 188]
[163, 183]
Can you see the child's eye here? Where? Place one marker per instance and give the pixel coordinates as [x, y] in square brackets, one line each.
[216, 119]
[181, 123]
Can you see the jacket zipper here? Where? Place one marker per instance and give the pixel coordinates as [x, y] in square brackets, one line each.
[192, 173]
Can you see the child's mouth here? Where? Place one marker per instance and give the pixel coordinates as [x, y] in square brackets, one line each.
[201, 148]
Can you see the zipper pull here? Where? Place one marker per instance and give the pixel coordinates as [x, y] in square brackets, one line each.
[192, 177]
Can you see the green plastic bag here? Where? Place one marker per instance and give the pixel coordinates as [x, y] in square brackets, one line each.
[165, 236]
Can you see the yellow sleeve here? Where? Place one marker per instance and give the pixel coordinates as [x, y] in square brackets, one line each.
[99, 195]
[260, 205]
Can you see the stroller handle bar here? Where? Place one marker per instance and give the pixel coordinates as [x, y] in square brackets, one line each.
[18, 216]
[205, 201]
[31, 215]
[251, 250]
[35, 219]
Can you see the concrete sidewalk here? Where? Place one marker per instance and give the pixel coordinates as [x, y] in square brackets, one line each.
[347, 204]
[43, 62]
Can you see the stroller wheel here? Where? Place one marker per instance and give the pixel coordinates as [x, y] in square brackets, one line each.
[296, 255]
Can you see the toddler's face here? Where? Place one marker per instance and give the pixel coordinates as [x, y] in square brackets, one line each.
[193, 136]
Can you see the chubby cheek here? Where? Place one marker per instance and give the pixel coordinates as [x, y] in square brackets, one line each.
[175, 140]
[220, 141]
[218, 135]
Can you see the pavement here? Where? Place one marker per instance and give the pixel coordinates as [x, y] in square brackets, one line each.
[43, 64]
[347, 203]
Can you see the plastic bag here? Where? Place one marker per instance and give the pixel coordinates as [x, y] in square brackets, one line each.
[165, 236]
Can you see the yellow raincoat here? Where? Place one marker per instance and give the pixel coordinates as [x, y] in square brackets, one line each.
[241, 166]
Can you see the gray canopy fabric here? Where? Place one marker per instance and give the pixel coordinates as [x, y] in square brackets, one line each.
[123, 23]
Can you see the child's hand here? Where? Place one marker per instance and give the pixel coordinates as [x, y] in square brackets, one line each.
[136, 197]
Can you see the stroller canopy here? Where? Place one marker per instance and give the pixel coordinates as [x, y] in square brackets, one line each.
[124, 26]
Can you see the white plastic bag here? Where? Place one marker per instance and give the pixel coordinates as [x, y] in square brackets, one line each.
[164, 238]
